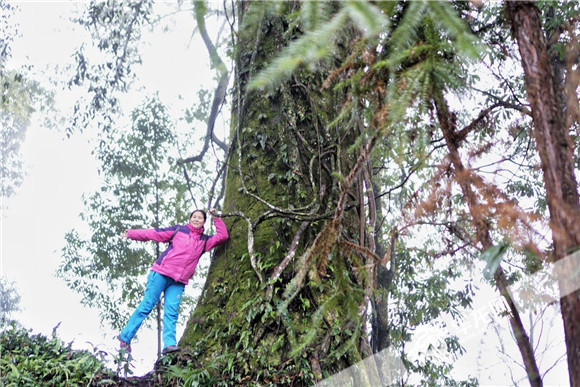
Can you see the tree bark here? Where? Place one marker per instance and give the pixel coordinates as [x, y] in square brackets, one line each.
[280, 187]
[556, 155]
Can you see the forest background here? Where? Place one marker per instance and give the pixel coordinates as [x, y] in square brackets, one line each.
[432, 357]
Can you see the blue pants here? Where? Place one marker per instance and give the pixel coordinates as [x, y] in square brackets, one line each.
[157, 284]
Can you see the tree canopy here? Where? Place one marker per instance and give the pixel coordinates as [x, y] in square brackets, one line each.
[385, 161]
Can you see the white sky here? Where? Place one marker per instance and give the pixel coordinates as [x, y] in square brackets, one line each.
[61, 170]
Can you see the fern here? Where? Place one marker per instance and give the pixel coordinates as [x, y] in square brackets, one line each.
[316, 321]
[406, 32]
[367, 17]
[312, 14]
[255, 16]
[446, 18]
[310, 48]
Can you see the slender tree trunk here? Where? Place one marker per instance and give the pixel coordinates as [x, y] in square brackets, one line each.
[157, 253]
[383, 279]
[556, 155]
[483, 237]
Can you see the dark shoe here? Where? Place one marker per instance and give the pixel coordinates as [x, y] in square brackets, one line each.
[171, 348]
[124, 345]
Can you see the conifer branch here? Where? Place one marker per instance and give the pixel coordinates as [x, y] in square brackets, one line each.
[362, 250]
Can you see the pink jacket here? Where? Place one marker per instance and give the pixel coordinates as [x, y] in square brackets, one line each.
[180, 258]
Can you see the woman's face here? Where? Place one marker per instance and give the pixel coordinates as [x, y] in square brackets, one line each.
[197, 219]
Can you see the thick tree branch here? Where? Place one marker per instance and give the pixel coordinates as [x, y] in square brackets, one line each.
[522, 109]
[221, 89]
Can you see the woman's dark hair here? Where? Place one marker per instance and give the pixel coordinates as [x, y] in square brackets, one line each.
[202, 212]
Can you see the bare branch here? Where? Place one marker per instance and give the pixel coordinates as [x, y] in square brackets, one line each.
[251, 227]
[287, 259]
[509, 105]
[221, 89]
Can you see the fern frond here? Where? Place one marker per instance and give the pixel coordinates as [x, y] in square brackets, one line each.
[312, 14]
[310, 48]
[405, 90]
[342, 116]
[425, 82]
[410, 54]
[254, 16]
[316, 322]
[367, 17]
[447, 19]
[406, 32]
[448, 76]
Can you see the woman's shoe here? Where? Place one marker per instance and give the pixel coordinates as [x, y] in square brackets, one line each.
[124, 345]
[171, 348]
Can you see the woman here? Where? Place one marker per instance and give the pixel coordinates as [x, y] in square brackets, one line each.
[171, 272]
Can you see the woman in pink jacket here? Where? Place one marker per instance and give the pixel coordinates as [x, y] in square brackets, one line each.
[171, 272]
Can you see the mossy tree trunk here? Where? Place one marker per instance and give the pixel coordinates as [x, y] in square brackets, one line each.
[288, 159]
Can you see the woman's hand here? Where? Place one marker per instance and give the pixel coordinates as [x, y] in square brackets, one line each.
[125, 234]
[213, 212]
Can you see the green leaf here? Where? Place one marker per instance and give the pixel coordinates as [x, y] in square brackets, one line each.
[493, 257]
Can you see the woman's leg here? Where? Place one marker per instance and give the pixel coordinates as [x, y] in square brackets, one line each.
[171, 312]
[156, 283]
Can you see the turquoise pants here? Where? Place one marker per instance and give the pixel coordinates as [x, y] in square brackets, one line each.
[157, 284]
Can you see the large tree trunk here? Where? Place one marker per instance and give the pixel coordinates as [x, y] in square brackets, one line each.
[281, 186]
[555, 150]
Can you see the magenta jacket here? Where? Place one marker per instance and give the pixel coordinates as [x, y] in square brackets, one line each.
[180, 258]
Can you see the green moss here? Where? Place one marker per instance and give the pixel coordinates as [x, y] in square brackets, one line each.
[234, 326]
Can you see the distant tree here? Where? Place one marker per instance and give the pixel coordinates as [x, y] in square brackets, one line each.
[9, 300]
[142, 188]
[21, 96]
[112, 72]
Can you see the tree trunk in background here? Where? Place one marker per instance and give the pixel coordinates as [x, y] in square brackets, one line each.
[285, 139]
[483, 237]
[555, 150]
